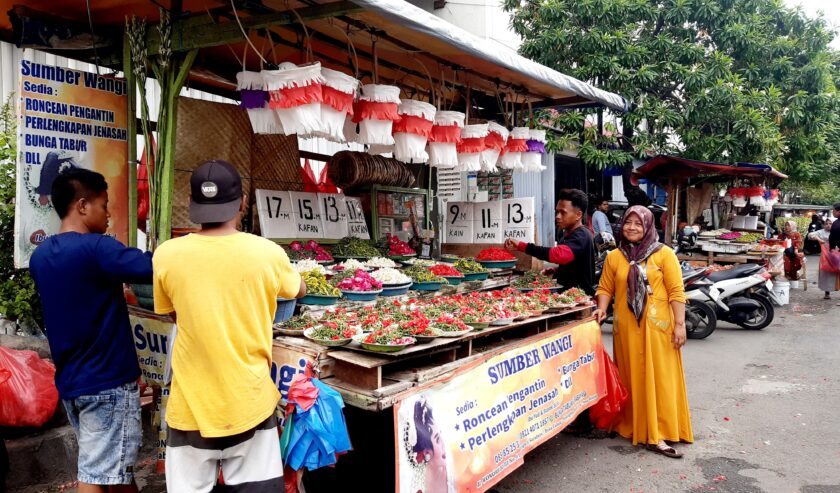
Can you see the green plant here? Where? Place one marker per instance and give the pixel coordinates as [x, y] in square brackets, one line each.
[19, 300]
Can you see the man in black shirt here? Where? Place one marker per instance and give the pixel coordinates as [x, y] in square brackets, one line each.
[575, 252]
[834, 236]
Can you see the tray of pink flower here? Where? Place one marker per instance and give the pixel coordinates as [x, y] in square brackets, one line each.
[449, 326]
[387, 340]
[420, 328]
[477, 316]
[504, 315]
[360, 287]
[333, 333]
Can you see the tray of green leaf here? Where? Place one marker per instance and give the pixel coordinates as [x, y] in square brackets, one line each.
[350, 247]
[317, 285]
[294, 326]
[469, 266]
[422, 275]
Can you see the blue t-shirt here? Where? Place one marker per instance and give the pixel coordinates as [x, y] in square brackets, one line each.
[80, 278]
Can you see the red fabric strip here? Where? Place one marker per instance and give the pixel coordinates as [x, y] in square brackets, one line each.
[413, 125]
[471, 146]
[372, 110]
[445, 133]
[494, 141]
[340, 101]
[516, 145]
[295, 96]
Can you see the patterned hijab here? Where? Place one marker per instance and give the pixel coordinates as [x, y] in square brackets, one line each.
[636, 253]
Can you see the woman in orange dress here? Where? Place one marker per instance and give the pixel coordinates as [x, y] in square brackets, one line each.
[793, 253]
[644, 278]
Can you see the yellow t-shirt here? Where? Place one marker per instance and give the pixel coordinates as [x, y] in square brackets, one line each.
[224, 291]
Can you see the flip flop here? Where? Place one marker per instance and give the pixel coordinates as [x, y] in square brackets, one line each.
[667, 451]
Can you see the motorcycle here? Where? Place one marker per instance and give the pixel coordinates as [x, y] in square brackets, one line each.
[700, 317]
[742, 295]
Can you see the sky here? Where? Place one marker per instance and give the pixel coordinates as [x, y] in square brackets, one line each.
[831, 9]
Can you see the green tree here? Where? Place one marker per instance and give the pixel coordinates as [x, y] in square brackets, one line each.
[717, 80]
[19, 300]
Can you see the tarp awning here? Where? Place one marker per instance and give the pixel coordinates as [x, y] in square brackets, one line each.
[677, 168]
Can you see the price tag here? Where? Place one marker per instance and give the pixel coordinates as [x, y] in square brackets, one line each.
[459, 222]
[357, 227]
[308, 215]
[487, 222]
[274, 209]
[334, 208]
[518, 219]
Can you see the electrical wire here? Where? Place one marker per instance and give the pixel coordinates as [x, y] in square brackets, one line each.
[93, 37]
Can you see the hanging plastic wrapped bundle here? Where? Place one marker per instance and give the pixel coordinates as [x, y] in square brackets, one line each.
[532, 160]
[517, 144]
[739, 196]
[253, 98]
[338, 93]
[444, 139]
[494, 144]
[412, 131]
[376, 112]
[295, 95]
[470, 147]
[756, 196]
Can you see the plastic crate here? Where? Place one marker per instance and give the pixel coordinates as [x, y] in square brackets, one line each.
[285, 310]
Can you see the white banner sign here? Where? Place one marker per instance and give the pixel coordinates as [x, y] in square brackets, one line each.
[356, 218]
[334, 211]
[274, 209]
[459, 222]
[518, 219]
[487, 220]
[307, 211]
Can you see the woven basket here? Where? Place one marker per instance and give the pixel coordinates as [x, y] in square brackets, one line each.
[349, 170]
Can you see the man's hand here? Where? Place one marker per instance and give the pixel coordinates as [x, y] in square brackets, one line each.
[679, 335]
[511, 245]
[600, 315]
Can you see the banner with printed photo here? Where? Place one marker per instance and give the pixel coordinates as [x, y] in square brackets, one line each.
[469, 432]
[67, 119]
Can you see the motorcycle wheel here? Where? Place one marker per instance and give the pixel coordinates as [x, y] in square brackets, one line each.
[762, 317]
[700, 320]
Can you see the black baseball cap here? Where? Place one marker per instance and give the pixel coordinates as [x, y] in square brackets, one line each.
[216, 192]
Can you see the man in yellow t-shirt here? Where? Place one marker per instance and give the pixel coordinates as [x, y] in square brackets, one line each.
[223, 287]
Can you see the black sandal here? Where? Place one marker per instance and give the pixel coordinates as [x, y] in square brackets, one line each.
[665, 450]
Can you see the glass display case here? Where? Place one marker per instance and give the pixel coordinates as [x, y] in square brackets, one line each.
[390, 211]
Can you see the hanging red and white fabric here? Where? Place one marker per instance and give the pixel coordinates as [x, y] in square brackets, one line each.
[338, 91]
[412, 130]
[444, 139]
[471, 145]
[375, 112]
[253, 98]
[295, 95]
[516, 145]
[494, 143]
[532, 159]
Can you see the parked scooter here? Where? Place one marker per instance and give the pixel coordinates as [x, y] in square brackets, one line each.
[742, 295]
[700, 316]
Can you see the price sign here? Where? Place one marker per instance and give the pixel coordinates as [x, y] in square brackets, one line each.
[357, 227]
[459, 222]
[308, 216]
[487, 222]
[334, 211]
[274, 210]
[518, 219]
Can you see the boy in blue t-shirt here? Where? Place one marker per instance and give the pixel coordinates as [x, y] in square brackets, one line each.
[79, 273]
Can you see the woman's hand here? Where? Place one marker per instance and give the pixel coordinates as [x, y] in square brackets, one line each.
[600, 315]
[679, 336]
[511, 245]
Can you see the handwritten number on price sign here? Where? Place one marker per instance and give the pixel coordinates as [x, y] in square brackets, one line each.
[305, 204]
[357, 227]
[329, 204]
[489, 228]
[518, 216]
[459, 224]
[334, 211]
[276, 200]
[519, 219]
[277, 218]
[455, 211]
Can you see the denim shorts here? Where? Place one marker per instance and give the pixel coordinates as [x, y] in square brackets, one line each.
[109, 432]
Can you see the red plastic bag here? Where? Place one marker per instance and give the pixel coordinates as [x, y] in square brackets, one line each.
[605, 411]
[28, 396]
[829, 261]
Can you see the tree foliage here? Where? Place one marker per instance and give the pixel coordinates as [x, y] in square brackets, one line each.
[18, 298]
[718, 80]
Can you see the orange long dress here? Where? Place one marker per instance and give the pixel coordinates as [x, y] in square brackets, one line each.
[650, 367]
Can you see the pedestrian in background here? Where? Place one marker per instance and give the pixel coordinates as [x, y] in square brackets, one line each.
[828, 281]
[600, 221]
[643, 276]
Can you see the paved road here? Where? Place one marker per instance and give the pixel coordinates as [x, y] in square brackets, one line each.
[764, 409]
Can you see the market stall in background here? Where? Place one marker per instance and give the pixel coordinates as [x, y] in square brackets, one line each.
[717, 213]
[413, 308]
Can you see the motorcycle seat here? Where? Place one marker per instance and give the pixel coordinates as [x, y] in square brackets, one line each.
[689, 275]
[742, 270]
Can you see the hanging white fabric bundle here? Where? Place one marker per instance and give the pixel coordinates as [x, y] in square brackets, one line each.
[375, 112]
[444, 139]
[494, 144]
[338, 93]
[532, 159]
[295, 95]
[412, 131]
[517, 144]
[471, 145]
[253, 98]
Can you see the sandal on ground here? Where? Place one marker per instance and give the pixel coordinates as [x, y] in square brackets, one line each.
[665, 450]
[827, 296]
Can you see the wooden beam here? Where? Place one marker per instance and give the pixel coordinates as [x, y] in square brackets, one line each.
[202, 31]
